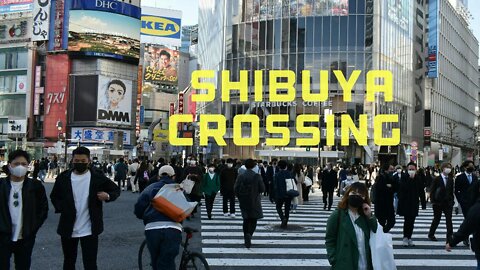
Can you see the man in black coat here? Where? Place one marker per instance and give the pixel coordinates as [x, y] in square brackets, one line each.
[463, 186]
[248, 188]
[227, 183]
[23, 210]
[329, 183]
[78, 196]
[471, 225]
[410, 193]
[279, 192]
[385, 188]
[271, 171]
[441, 196]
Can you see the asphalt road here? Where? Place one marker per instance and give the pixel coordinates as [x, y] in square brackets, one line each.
[118, 244]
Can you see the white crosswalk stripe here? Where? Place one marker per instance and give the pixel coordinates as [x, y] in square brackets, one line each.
[223, 244]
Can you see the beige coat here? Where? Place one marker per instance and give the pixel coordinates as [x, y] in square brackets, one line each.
[300, 180]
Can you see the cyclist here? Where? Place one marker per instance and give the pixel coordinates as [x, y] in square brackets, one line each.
[162, 233]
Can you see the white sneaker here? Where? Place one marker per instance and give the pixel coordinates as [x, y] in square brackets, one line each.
[232, 215]
[410, 243]
[405, 242]
[226, 214]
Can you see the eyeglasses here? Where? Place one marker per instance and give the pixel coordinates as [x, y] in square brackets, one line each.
[15, 202]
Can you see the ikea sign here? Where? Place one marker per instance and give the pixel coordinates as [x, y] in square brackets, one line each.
[161, 26]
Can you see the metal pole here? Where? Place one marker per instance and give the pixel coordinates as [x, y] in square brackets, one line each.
[16, 143]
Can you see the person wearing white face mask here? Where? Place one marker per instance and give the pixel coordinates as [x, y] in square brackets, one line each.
[410, 193]
[25, 206]
[441, 196]
[210, 188]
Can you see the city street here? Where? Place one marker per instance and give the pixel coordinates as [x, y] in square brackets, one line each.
[222, 240]
[118, 244]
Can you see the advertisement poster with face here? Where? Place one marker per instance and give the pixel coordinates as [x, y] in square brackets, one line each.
[114, 101]
[161, 64]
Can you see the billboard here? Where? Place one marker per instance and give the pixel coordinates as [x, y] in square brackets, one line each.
[161, 26]
[161, 64]
[12, 31]
[96, 30]
[41, 20]
[331, 7]
[98, 135]
[55, 93]
[10, 6]
[432, 38]
[114, 101]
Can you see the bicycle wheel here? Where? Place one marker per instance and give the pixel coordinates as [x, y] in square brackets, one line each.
[144, 260]
[195, 261]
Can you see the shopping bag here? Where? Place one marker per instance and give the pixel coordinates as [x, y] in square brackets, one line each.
[308, 182]
[187, 185]
[381, 246]
[171, 201]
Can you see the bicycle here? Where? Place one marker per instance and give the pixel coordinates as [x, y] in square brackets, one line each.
[189, 260]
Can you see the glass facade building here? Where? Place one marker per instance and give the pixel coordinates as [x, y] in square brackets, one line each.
[299, 35]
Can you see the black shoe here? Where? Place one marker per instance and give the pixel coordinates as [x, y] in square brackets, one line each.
[324, 207]
[466, 243]
[248, 240]
[284, 224]
[432, 238]
[209, 216]
[329, 208]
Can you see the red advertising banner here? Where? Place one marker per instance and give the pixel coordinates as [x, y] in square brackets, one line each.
[58, 30]
[191, 105]
[56, 94]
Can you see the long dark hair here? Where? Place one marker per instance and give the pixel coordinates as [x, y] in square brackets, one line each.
[143, 167]
[297, 169]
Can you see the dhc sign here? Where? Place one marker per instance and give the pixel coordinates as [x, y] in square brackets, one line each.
[113, 6]
[160, 26]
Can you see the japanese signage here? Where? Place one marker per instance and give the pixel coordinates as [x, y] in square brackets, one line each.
[14, 31]
[161, 26]
[398, 12]
[41, 20]
[10, 6]
[38, 90]
[56, 93]
[180, 103]
[139, 101]
[161, 64]
[17, 126]
[432, 38]
[98, 135]
[104, 28]
[58, 25]
[114, 101]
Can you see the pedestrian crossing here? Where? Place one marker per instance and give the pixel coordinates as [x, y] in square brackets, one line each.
[223, 244]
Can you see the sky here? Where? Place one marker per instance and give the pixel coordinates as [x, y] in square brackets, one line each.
[190, 11]
[101, 22]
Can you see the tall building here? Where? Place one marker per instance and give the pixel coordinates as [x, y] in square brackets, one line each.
[318, 35]
[452, 84]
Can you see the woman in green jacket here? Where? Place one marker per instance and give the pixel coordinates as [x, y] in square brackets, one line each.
[348, 231]
[210, 188]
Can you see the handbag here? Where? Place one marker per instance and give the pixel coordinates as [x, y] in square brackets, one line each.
[171, 201]
[308, 182]
[187, 185]
[381, 246]
[292, 190]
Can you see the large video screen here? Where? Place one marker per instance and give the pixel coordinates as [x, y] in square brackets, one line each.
[104, 34]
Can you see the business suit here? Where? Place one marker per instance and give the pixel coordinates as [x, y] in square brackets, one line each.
[442, 199]
[329, 183]
[64, 203]
[270, 174]
[463, 190]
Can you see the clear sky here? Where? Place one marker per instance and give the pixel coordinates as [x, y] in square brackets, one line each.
[190, 11]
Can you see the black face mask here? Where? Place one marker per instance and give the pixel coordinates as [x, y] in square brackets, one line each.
[80, 167]
[355, 201]
[470, 169]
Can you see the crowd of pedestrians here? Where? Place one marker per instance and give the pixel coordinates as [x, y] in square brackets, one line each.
[388, 190]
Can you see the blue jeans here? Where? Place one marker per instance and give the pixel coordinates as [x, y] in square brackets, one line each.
[164, 245]
[42, 175]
